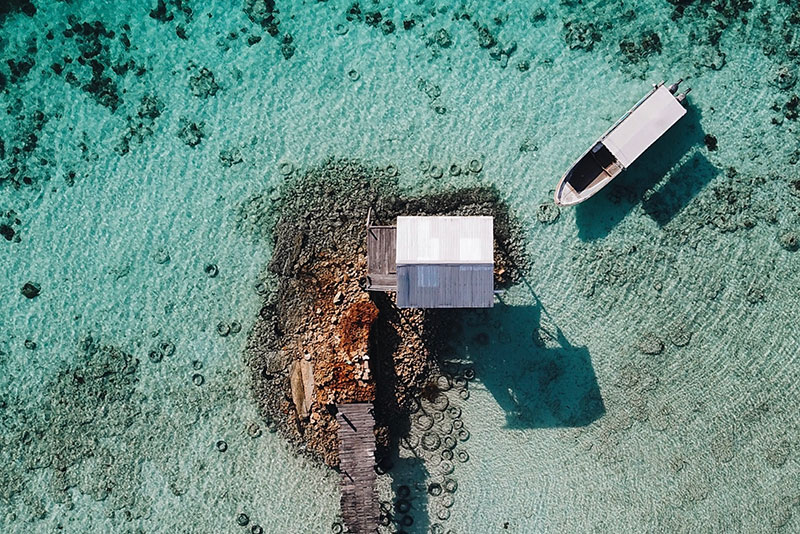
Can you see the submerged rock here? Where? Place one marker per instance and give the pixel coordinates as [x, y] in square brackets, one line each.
[7, 232]
[580, 35]
[443, 38]
[160, 12]
[649, 44]
[784, 78]
[203, 84]
[230, 157]
[191, 133]
[547, 213]
[790, 241]
[485, 37]
[31, 290]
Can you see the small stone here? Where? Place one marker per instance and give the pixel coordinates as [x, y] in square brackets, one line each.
[31, 290]
[253, 430]
[658, 286]
[166, 349]
[338, 298]
[680, 336]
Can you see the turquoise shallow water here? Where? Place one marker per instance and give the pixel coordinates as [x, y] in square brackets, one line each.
[642, 379]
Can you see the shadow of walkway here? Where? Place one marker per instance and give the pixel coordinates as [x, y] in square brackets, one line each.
[599, 215]
[534, 373]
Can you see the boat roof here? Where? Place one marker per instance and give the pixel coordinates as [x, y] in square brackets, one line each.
[643, 126]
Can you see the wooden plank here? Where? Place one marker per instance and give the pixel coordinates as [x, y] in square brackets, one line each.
[381, 249]
[382, 282]
[359, 496]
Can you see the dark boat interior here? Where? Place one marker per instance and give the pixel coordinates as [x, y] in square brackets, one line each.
[598, 162]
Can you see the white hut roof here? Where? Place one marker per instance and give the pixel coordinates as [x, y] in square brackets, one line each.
[445, 240]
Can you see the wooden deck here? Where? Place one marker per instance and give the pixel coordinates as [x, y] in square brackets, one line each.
[359, 497]
[381, 258]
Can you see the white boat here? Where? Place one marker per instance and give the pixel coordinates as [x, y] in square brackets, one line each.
[625, 141]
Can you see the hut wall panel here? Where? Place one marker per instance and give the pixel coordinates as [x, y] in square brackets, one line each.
[445, 286]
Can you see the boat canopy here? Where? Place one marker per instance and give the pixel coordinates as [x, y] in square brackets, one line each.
[643, 126]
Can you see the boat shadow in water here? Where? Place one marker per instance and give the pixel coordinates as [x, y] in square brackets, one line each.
[684, 184]
[531, 369]
[600, 214]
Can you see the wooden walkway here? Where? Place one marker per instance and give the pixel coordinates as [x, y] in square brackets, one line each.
[381, 258]
[359, 497]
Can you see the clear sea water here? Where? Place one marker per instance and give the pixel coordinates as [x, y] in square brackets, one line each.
[644, 378]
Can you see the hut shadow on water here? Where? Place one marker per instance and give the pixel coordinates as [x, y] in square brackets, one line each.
[532, 370]
[410, 505]
[599, 215]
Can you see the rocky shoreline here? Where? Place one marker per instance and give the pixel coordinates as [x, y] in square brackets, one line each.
[320, 339]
